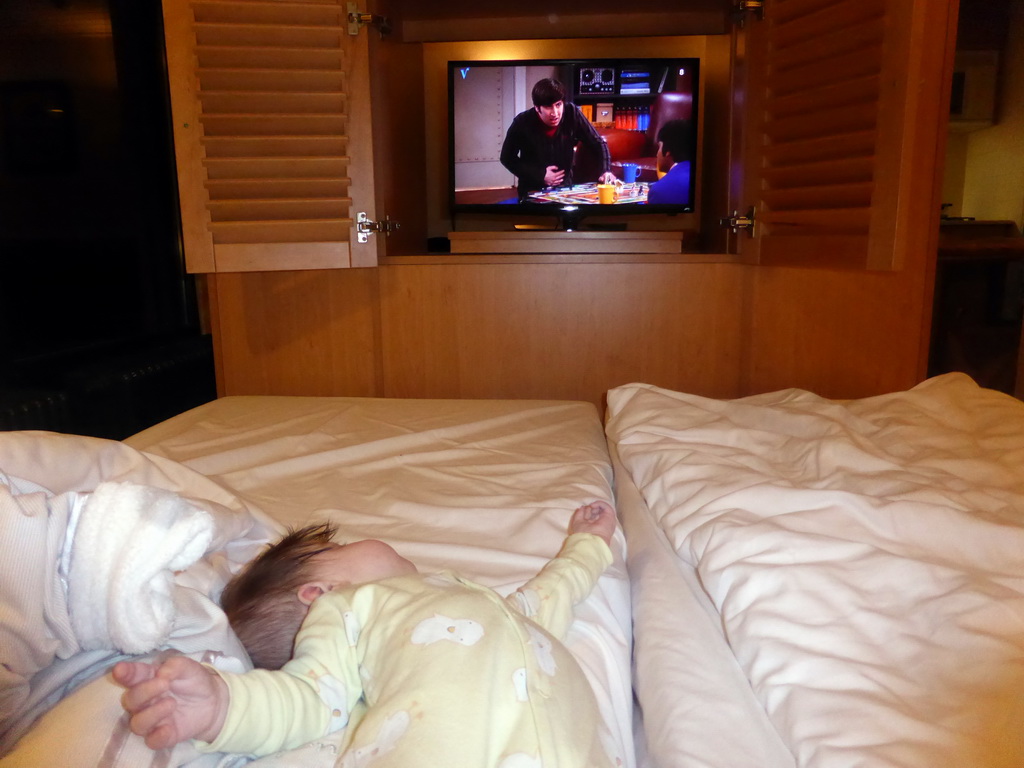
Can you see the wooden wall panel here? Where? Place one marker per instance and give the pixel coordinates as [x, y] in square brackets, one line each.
[296, 333]
[840, 334]
[567, 330]
[856, 333]
[559, 330]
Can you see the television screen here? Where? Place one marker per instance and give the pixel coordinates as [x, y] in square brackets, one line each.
[573, 138]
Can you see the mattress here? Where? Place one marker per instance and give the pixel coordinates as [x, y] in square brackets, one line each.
[826, 583]
[485, 488]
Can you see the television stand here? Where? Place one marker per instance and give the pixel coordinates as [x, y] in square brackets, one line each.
[565, 222]
[522, 240]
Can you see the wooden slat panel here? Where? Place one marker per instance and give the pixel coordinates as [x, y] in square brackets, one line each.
[274, 124]
[254, 103]
[853, 144]
[817, 91]
[234, 189]
[893, 56]
[798, 23]
[320, 230]
[279, 257]
[827, 72]
[862, 91]
[867, 34]
[212, 57]
[845, 221]
[275, 146]
[856, 170]
[188, 132]
[257, 80]
[273, 102]
[787, 10]
[848, 196]
[262, 210]
[826, 122]
[276, 13]
[362, 132]
[259, 36]
[275, 167]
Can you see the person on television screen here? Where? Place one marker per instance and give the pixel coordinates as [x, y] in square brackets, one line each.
[539, 145]
[673, 146]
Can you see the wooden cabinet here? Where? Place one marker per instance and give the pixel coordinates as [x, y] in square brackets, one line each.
[830, 114]
[844, 106]
[271, 110]
[825, 119]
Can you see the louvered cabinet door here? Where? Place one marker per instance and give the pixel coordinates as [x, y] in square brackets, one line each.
[270, 102]
[847, 102]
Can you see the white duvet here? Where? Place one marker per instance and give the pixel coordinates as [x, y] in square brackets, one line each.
[482, 487]
[866, 559]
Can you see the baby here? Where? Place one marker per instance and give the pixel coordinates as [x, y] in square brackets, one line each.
[423, 669]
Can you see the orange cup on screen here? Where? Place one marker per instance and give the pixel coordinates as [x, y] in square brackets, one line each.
[606, 194]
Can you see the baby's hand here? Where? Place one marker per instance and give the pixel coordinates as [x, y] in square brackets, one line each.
[172, 702]
[598, 518]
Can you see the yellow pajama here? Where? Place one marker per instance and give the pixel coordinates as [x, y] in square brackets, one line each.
[432, 669]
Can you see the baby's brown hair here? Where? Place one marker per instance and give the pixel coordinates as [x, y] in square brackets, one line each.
[261, 601]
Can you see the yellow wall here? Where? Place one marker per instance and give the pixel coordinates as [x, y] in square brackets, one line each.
[993, 186]
[956, 167]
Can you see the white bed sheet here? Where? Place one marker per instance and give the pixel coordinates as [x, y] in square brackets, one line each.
[696, 708]
[864, 560]
[482, 487]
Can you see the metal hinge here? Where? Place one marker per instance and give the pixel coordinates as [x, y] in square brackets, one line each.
[741, 8]
[365, 226]
[357, 20]
[737, 222]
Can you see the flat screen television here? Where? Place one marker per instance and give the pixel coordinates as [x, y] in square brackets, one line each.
[542, 136]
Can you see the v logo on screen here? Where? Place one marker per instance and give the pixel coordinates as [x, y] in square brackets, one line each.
[464, 71]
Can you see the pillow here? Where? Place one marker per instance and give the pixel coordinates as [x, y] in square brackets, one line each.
[44, 677]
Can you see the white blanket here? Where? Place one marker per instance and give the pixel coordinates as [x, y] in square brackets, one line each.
[85, 572]
[866, 559]
[125, 548]
[483, 487]
[103, 554]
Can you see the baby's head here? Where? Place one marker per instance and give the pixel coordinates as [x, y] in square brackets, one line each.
[267, 601]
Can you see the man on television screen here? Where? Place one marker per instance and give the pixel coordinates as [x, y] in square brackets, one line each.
[539, 144]
[673, 147]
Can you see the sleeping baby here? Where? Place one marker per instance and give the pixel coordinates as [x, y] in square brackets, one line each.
[422, 669]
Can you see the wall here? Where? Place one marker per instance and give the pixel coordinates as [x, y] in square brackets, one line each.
[98, 321]
[71, 48]
[575, 326]
[87, 196]
[557, 330]
[955, 173]
[994, 157]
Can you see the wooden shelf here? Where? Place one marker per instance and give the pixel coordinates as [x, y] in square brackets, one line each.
[463, 259]
[533, 241]
[456, 20]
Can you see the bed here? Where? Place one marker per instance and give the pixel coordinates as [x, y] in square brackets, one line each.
[825, 583]
[482, 487]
